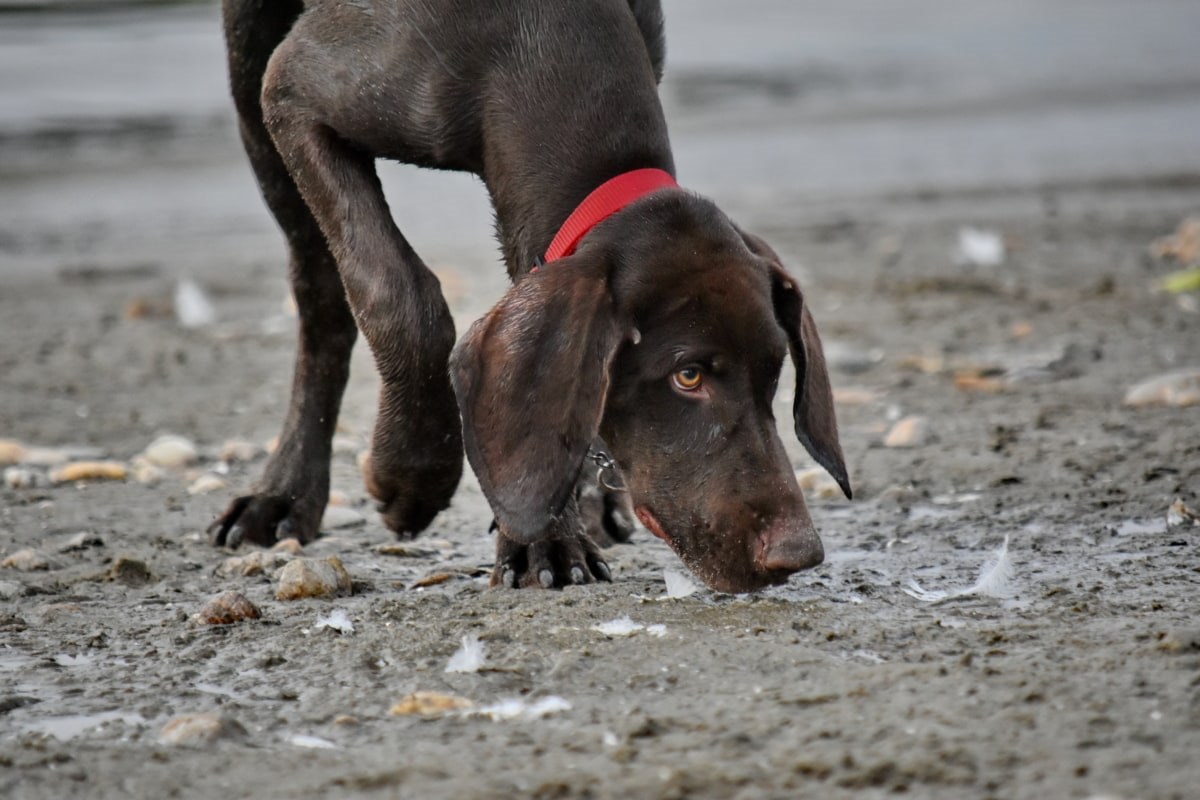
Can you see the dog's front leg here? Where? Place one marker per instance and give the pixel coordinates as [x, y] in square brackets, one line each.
[566, 555]
[416, 451]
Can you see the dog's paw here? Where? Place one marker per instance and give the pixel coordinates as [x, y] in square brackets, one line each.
[551, 563]
[606, 513]
[408, 499]
[263, 519]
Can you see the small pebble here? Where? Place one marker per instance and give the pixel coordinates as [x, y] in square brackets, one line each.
[238, 450]
[291, 547]
[171, 452]
[201, 729]
[346, 445]
[337, 498]
[26, 560]
[254, 563]
[434, 578]
[89, 471]
[130, 572]
[339, 517]
[429, 704]
[911, 431]
[1175, 389]
[852, 396]
[146, 473]
[226, 609]
[308, 577]
[345, 720]
[11, 452]
[817, 483]
[81, 541]
[22, 478]
[10, 590]
[1180, 641]
[205, 484]
[403, 550]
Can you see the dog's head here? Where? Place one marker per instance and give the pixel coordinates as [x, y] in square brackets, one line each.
[665, 334]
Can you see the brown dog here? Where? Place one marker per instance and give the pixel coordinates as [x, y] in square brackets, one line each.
[663, 333]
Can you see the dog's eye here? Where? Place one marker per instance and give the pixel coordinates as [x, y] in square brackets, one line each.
[687, 379]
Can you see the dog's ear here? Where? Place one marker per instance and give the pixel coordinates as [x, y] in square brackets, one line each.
[531, 379]
[816, 422]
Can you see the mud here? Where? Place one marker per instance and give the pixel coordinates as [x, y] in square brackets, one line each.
[1083, 680]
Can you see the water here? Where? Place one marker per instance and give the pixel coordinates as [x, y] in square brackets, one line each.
[106, 160]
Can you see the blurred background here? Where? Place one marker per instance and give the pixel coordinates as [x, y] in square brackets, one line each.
[118, 146]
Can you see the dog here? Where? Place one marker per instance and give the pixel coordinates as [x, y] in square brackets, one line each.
[644, 331]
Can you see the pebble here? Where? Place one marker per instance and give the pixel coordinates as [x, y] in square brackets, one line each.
[238, 450]
[854, 396]
[817, 483]
[1180, 641]
[146, 473]
[81, 541]
[227, 608]
[171, 452]
[44, 456]
[205, 484]
[22, 478]
[10, 590]
[911, 431]
[308, 577]
[338, 517]
[11, 452]
[200, 729]
[846, 358]
[968, 381]
[1183, 245]
[429, 704]
[1176, 389]
[255, 563]
[345, 444]
[403, 550]
[291, 547]
[26, 560]
[130, 572]
[89, 471]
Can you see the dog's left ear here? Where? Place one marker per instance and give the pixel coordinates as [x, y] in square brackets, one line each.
[816, 422]
[531, 378]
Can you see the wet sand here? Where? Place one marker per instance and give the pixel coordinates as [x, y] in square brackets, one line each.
[860, 154]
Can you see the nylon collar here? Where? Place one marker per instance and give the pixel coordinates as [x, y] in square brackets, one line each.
[605, 200]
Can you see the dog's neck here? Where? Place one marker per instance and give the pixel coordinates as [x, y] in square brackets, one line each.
[548, 161]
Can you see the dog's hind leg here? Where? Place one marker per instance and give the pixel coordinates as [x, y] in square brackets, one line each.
[289, 499]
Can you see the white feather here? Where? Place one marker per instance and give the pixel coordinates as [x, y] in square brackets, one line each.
[470, 657]
[192, 306]
[995, 580]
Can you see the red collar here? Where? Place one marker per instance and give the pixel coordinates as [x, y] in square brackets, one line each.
[607, 199]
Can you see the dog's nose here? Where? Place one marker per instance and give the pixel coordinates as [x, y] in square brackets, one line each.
[789, 544]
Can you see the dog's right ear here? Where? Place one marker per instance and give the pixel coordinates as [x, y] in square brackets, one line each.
[531, 379]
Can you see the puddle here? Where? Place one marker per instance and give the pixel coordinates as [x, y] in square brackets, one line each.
[11, 662]
[66, 728]
[1134, 527]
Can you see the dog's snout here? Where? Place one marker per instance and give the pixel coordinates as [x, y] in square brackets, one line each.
[789, 544]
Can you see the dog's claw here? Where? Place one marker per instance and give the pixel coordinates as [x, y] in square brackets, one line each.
[234, 537]
[566, 558]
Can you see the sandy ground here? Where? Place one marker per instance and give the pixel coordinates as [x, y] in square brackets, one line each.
[1081, 680]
